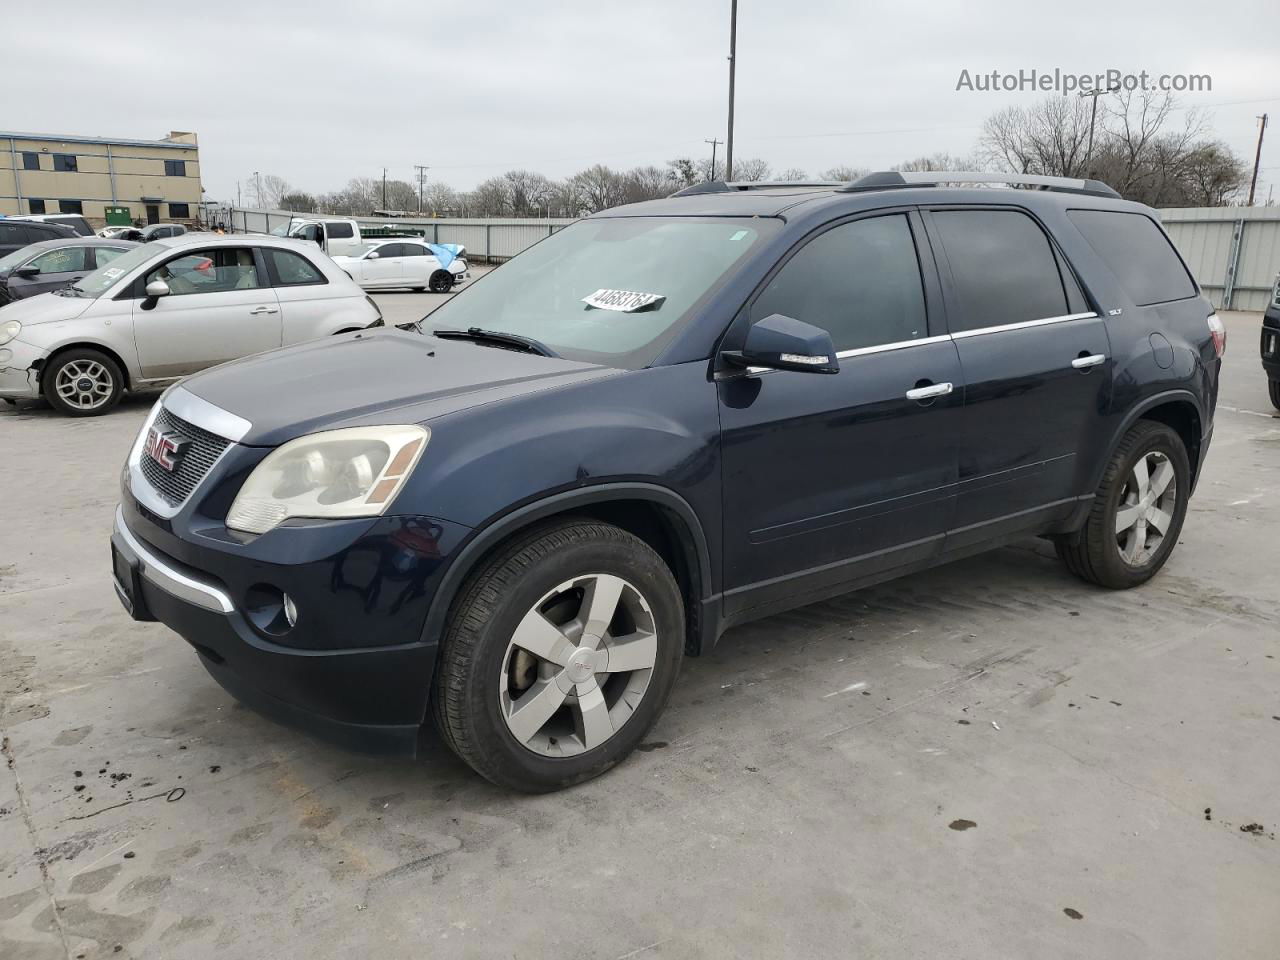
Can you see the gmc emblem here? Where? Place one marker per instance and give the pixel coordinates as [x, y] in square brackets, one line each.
[166, 448]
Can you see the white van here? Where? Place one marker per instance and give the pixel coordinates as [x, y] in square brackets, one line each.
[336, 236]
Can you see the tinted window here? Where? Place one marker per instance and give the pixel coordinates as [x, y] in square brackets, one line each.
[209, 271]
[413, 250]
[70, 206]
[66, 162]
[859, 281]
[1003, 267]
[291, 268]
[339, 229]
[392, 250]
[31, 161]
[36, 206]
[62, 260]
[1138, 253]
[175, 168]
[13, 235]
[179, 211]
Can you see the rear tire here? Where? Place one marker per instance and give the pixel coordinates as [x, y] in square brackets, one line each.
[82, 383]
[605, 620]
[1137, 512]
[441, 281]
[1273, 388]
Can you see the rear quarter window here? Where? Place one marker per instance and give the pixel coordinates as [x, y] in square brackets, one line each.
[338, 230]
[1138, 253]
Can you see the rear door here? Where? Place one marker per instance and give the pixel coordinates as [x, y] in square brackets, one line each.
[828, 478]
[1037, 370]
[221, 306]
[307, 305]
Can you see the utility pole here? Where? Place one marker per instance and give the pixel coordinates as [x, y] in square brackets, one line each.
[733, 60]
[711, 174]
[384, 188]
[1093, 117]
[422, 176]
[1257, 159]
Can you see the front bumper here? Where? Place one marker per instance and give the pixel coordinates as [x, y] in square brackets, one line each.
[18, 381]
[368, 698]
[1269, 344]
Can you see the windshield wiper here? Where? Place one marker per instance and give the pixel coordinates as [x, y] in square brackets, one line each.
[497, 338]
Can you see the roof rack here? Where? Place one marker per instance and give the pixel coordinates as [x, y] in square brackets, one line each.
[891, 179]
[730, 186]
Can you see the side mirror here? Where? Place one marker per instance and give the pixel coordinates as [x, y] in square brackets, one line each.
[157, 288]
[27, 270]
[373, 255]
[784, 343]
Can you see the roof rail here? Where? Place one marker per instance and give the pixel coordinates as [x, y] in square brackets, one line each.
[891, 179]
[730, 186]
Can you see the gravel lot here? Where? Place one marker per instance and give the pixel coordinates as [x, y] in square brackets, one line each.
[989, 760]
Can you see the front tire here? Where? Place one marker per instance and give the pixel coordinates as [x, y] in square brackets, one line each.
[82, 383]
[1137, 512]
[441, 281]
[1273, 388]
[559, 655]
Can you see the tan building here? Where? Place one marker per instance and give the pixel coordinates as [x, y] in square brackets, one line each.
[153, 180]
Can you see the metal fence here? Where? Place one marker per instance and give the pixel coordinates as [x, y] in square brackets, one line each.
[1233, 251]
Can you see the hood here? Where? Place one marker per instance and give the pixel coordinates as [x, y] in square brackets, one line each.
[46, 308]
[372, 377]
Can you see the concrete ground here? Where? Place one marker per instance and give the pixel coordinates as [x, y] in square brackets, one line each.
[990, 760]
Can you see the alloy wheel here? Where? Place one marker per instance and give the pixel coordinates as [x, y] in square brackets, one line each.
[1146, 508]
[578, 665]
[84, 384]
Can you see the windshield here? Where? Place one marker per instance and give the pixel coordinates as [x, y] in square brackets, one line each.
[106, 277]
[14, 259]
[671, 262]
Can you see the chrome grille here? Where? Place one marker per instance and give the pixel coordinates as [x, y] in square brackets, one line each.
[202, 453]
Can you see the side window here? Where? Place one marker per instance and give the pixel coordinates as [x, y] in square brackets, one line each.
[859, 281]
[391, 250]
[30, 160]
[62, 260]
[105, 255]
[1003, 267]
[413, 250]
[217, 270]
[338, 229]
[36, 206]
[290, 269]
[1138, 253]
[180, 211]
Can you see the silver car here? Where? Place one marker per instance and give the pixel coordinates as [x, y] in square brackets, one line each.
[167, 309]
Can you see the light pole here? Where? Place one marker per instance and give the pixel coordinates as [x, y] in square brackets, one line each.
[1257, 158]
[733, 60]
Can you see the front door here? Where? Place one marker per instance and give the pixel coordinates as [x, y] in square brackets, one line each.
[387, 268]
[1037, 369]
[220, 306]
[153, 213]
[54, 269]
[831, 478]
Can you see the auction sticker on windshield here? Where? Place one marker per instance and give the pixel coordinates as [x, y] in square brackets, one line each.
[624, 301]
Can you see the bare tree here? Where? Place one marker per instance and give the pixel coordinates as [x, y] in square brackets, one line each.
[528, 193]
[751, 169]
[273, 189]
[647, 183]
[491, 198]
[843, 174]
[601, 187]
[1049, 137]
[398, 195]
[685, 172]
[441, 199]
[934, 162]
[793, 175]
[298, 202]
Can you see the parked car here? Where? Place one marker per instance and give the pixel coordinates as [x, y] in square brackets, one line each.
[1271, 344]
[167, 309]
[16, 234]
[336, 236]
[664, 420]
[159, 231]
[78, 224]
[416, 264]
[120, 232]
[45, 266]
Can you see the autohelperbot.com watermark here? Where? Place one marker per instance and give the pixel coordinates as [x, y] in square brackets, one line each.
[1066, 83]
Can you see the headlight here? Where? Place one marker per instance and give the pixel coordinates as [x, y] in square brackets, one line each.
[341, 473]
[9, 330]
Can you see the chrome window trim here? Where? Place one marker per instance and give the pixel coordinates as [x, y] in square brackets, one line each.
[895, 345]
[1025, 324]
[171, 580]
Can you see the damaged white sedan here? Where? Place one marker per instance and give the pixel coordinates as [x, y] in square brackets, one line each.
[400, 262]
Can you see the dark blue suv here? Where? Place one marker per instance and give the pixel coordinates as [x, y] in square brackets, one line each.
[665, 420]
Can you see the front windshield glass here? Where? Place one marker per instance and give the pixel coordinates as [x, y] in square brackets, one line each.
[539, 294]
[106, 277]
[14, 259]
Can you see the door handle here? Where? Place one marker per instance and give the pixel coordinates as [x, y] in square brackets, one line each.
[931, 391]
[257, 310]
[1086, 362]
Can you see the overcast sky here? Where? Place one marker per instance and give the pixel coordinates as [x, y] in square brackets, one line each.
[320, 91]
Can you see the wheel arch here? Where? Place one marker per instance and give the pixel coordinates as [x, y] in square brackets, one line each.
[657, 515]
[1180, 410]
[42, 364]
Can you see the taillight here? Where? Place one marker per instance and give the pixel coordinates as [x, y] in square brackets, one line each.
[1219, 334]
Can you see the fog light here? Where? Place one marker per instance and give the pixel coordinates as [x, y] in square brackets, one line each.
[290, 611]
